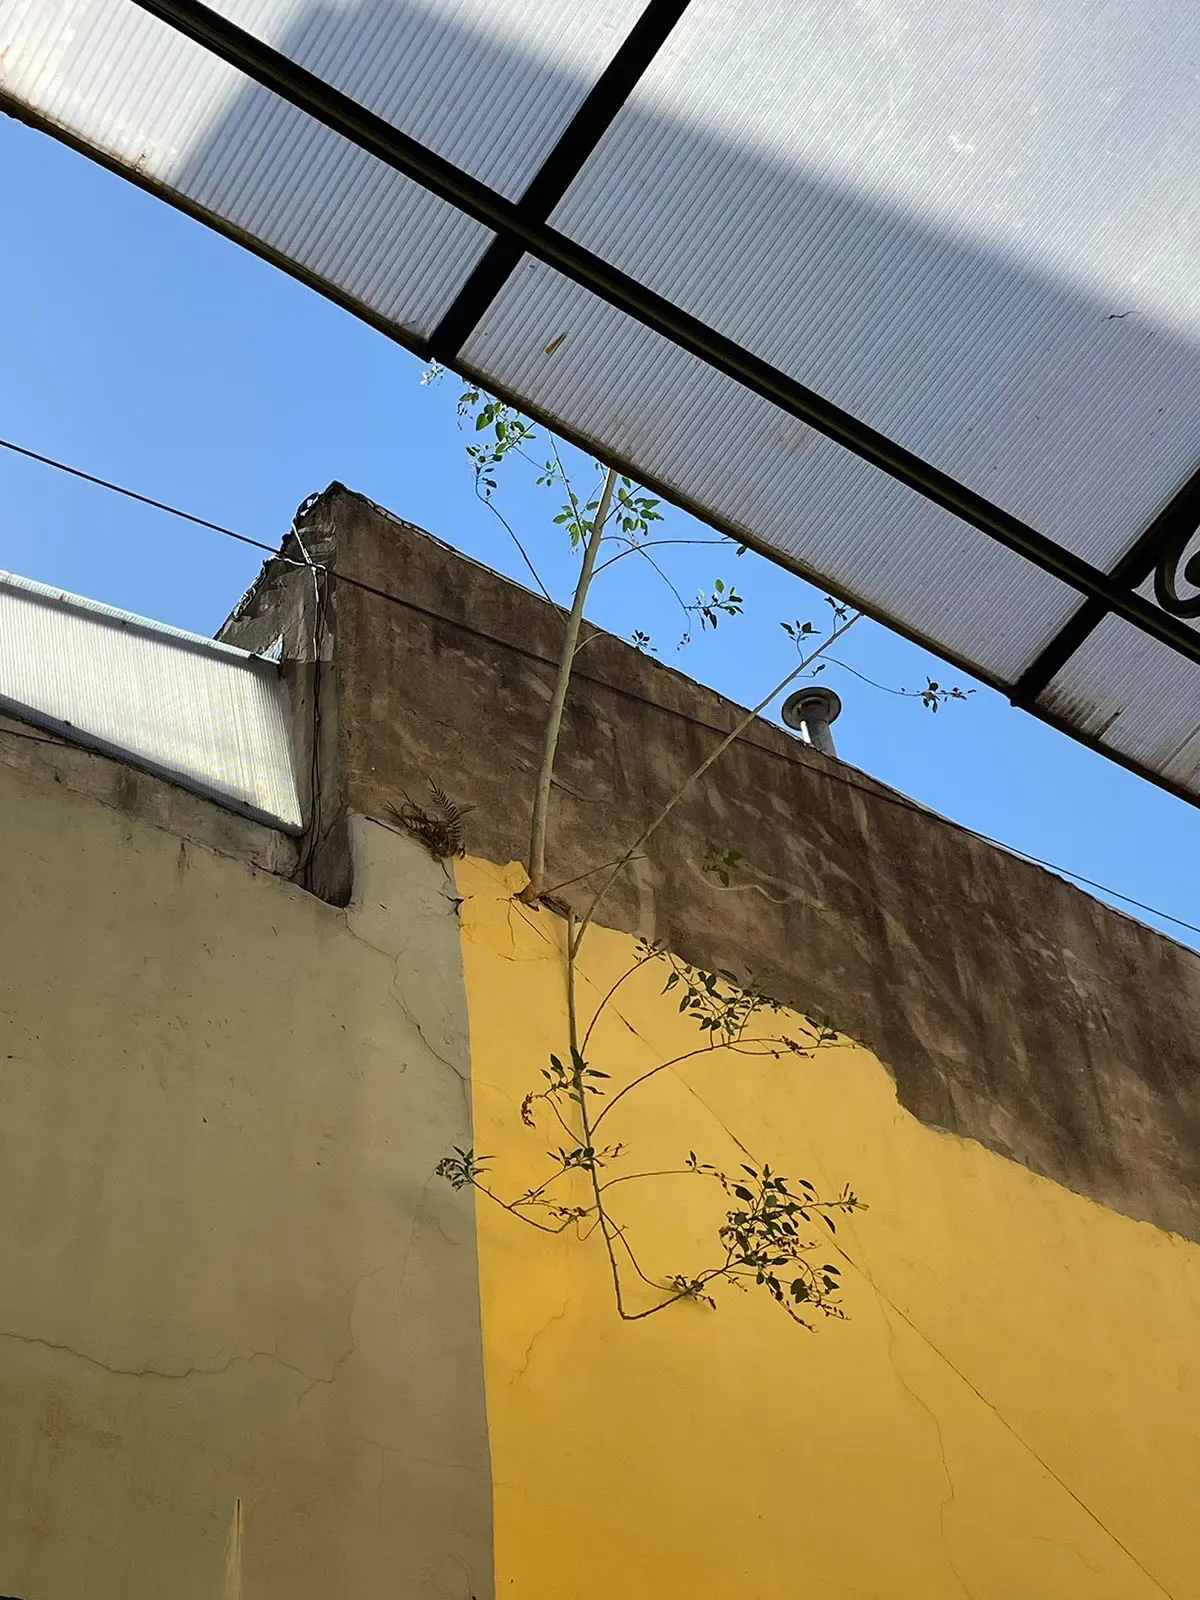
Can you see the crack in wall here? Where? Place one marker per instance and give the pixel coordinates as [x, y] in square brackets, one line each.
[401, 1262]
[157, 1372]
[887, 1304]
[396, 958]
[463, 1075]
[1067, 1544]
[920, 1400]
[312, 1382]
[545, 1327]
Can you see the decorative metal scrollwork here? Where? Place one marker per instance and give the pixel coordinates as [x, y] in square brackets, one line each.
[1172, 566]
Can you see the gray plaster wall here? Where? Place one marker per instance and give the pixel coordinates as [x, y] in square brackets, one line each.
[44, 756]
[229, 1276]
[1010, 1007]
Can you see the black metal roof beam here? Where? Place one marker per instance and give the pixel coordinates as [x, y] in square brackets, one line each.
[564, 163]
[379, 138]
[1170, 530]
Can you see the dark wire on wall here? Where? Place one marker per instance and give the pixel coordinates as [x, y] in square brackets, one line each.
[878, 793]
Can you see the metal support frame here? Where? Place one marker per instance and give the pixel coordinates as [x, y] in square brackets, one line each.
[564, 163]
[1155, 554]
[379, 138]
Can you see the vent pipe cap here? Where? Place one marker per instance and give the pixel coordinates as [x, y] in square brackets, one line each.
[810, 711]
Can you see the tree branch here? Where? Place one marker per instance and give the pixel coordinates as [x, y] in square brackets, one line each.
[714, 755]
[588, 1139]
[487, 500]
[632, 547]
[688, 1055]
[520, 1215]
[541, 804]
[628, 973]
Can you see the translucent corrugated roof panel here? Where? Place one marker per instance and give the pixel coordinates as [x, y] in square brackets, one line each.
[908, 297]
[202, 714]
[783, 485]
[1135, 697]
[973, 225]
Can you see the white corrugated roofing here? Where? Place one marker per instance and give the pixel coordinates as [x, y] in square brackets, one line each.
[200, 713]
[961, 238]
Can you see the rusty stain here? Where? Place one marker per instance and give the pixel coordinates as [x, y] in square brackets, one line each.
[553, 345]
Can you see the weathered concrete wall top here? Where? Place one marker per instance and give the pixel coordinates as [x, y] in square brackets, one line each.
[1011, 1007]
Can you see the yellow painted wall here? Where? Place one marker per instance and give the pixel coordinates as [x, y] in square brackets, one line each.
[1010, 1412]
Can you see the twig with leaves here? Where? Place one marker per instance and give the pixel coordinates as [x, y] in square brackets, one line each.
[765, 1236]
[768, 1235]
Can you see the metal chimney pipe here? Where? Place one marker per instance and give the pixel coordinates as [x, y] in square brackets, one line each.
[810, 711]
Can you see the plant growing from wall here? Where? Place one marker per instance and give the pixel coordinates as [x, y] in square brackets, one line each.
[439, 826]
[769, 1235]
[618, 512]
[771, 1226]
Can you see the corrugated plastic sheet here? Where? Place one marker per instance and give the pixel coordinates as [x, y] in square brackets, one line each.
[184, 121]
[976, 227]
[202, 714]
[830, 515]
[491, 98]
[1135, 697]
[489, 87]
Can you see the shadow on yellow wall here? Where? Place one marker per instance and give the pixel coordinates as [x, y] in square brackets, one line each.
[1012, 1408]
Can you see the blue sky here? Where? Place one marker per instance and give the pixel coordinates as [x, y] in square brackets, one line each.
[144, 348]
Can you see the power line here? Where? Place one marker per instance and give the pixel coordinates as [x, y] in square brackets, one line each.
[132, 494]
[875, 790]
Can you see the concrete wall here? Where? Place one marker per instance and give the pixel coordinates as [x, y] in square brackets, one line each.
[1010, 1408]
[241, 1351]
[227, 1271]
[1008, 1006]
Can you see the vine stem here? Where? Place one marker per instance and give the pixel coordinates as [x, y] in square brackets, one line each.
[689, 1055]
[507, 1205]
[628, 973]
[576, 931]
[532, 891]
[714, 755]
[585, 1122]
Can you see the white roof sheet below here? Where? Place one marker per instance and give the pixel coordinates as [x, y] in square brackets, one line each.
[975, 228]
[200, 713]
